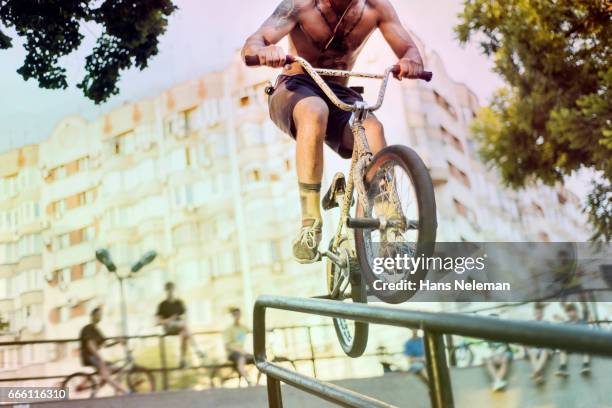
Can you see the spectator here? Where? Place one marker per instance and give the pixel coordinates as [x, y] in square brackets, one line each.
[92, 340]
[538, 356]
[234, 337]
[571, 312]
[414, 350]
[497, 362]
[171, 316]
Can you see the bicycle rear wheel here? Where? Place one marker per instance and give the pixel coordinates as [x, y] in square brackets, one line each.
[140, 379]
[353, 336]
[80, 386]
[398, 190]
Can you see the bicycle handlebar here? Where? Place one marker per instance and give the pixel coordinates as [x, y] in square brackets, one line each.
[317, 74]
[253, 61]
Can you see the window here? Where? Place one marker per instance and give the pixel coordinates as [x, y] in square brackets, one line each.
[460, 207]
[245, 101]
[202, 312]
[176, 125]
[178, 160]
[537, 209]
[444, 104]
[123, 144]
[452, 139]
[89, 269]
[211, 111]
[64, 313]
[65, 275]
[227, 262]
[458, 174]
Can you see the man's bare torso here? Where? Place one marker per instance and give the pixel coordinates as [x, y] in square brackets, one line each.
[312, 38]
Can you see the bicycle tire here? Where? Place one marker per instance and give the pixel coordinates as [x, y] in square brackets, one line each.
[464, 356]
[88, 391]
[419, 176]
[134, 384]
[353, 344]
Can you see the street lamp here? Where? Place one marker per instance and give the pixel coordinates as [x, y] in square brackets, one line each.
[104, 257]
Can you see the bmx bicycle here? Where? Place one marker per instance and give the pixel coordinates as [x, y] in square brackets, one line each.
[87, 385]
[395, 212]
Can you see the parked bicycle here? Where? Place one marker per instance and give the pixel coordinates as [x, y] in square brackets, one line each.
[395, 212]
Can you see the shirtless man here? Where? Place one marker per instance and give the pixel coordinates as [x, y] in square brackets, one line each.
[328, 34]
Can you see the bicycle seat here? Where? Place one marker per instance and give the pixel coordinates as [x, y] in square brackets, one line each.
[336, 188]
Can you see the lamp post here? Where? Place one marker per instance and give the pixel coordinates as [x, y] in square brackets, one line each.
[103, 256]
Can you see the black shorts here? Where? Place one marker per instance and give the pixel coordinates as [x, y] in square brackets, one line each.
[91, 361]
[290, 89]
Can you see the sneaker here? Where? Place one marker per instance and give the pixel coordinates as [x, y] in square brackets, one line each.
[562, 372]
[586, 369]
[499, 385]
[306, 245]
[538, 379]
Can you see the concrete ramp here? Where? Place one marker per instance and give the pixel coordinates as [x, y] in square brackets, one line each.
[470, 386]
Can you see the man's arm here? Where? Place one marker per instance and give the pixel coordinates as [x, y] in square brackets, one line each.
[263, 42]
[410, 61]
[93, 348]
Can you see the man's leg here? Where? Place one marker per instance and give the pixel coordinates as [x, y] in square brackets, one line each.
[187, 339]
[106, 377]
[241, 367]
[183, 337]
[375, 135]
[310, 117]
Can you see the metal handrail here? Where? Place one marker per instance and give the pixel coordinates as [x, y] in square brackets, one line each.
[435, 325]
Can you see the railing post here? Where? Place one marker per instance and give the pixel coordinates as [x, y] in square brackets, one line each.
[450, 348]
[164, 363]
[438, 373]
[275, 398]
[312, 353]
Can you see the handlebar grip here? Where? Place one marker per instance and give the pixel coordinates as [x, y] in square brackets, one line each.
[425, 75]
[253, 60]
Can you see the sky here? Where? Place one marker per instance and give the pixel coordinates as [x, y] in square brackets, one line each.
[202, 36]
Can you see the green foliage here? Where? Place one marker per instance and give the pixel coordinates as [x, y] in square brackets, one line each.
[555, 116]
[51, 29]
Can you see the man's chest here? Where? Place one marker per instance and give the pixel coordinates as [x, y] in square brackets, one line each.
[328, 31]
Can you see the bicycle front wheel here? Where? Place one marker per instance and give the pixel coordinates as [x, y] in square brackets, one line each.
[140, 379]
[80, 386]
[398, 190]
[353, 336]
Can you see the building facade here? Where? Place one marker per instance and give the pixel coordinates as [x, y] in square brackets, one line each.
[202, 176]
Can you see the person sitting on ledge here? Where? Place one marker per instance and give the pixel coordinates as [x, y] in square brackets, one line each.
[171, 316]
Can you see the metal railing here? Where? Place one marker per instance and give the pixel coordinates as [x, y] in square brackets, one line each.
[309, 352]
[435, 326]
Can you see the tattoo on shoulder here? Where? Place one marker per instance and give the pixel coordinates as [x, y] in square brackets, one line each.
[284, 13]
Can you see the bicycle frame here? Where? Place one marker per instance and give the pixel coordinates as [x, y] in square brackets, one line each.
[362, 154]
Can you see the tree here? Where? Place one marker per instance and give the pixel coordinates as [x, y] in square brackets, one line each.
[555, 116]
[51, 29]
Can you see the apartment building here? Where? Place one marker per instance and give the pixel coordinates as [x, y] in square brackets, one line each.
[200, 174]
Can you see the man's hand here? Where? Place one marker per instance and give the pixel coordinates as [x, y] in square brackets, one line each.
[409, 68]
[272, 56]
